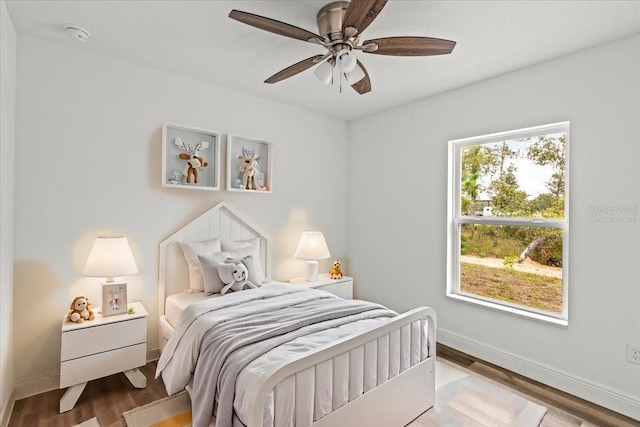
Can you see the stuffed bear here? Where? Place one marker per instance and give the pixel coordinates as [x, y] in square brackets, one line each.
[335, 272]
[234, 275]
[80, 310]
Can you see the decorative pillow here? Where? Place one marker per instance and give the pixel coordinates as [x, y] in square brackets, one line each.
[210, 274]
[252, 267]
[243, 248]
[191, 250]
[234, 274]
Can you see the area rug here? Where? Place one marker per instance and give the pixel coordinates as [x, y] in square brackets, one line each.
[172, 411]
[93, 422]
[463, 399]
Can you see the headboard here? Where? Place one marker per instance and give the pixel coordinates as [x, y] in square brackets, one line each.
[217, 222]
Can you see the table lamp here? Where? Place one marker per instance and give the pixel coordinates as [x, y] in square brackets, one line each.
[312, 247]
[110, 257]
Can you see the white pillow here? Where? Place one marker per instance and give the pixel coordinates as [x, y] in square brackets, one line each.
[242, 248]
[209, 263]
[191, 250]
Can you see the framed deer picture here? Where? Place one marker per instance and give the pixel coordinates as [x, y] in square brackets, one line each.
[190, 158]
[249, 164]
[114, 299]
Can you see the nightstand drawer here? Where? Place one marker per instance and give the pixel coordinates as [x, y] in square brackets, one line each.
[100, 338]
[341, 289]
[100, 365]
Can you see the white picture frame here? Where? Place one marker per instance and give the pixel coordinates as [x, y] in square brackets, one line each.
[114, 299]
[179, 172]
[262, 177]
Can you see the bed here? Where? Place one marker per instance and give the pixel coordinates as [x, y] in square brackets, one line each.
[379, 373]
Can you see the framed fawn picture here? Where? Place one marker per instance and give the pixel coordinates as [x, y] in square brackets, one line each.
[190, 158]
[249, 164]
[114, 299]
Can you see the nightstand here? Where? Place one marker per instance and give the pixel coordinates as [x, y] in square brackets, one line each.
[340, 287]
[101, 347]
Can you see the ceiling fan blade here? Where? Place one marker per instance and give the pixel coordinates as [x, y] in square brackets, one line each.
[364, 85]
[361, 13]
[294, 69]
[273, 26]
[411, 46]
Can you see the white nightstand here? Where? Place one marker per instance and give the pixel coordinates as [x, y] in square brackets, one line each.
[340, 287]
[101, 347]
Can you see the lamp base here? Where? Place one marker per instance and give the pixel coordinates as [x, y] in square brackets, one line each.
[312, 271]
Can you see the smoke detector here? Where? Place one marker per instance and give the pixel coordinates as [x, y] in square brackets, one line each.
[76, 32]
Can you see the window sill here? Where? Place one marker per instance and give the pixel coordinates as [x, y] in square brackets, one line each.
[555, 321]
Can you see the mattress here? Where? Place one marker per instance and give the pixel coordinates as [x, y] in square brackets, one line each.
[176, 303]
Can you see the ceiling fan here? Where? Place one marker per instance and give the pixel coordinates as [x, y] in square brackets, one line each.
[340, 25]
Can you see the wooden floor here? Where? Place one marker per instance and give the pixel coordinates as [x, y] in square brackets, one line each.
[109, 397]
[106, 398]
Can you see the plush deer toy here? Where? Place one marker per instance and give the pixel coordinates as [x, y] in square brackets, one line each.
[248, 166]
[194, 162]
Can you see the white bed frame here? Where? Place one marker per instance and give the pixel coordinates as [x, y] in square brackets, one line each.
[394, 403]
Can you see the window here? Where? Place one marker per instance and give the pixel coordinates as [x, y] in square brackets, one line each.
[508, 226]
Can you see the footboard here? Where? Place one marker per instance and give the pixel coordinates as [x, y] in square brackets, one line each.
[402, 389]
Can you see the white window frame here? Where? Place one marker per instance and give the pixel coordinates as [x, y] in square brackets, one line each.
[455, 219]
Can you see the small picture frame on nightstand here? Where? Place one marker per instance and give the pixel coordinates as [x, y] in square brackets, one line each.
[114, 299]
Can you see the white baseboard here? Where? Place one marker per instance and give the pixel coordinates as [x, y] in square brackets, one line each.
[599, 394]
[6, 409]
[37, 386]
[153, 354]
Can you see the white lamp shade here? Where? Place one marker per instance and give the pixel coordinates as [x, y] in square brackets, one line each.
[312, 246]
[346, 61]
[324, 72]
[354, 76]
[110, 257]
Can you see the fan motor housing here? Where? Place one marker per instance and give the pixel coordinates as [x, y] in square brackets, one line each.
[330, 19]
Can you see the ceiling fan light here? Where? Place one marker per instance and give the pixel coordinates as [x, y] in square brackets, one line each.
[354, 76]
[346, 61]
[324, 72]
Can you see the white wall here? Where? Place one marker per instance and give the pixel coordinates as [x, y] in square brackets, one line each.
[397, 216]
[7, 150]
[88, 161]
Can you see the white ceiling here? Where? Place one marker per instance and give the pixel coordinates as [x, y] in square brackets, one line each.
[196, 39]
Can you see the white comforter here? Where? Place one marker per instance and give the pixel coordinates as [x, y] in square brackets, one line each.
[180, 356]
